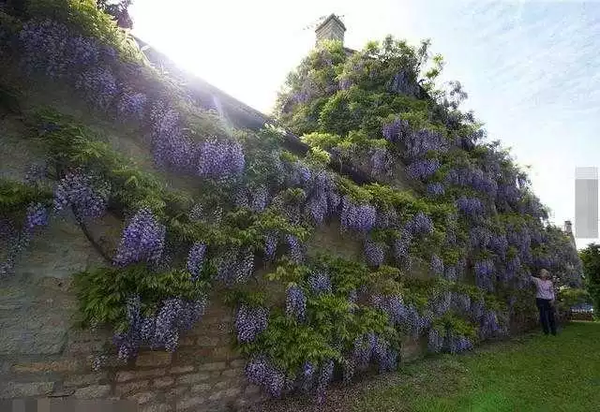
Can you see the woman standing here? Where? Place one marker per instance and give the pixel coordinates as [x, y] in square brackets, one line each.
[545, 301]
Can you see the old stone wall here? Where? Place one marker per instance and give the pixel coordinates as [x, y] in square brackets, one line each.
[43, 353]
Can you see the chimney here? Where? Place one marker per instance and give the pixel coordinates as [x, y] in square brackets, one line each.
[569, 232]
[331, 28]
[568, 227]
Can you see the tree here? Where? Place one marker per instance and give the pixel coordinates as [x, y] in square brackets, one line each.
[590, 256]
[119, 10]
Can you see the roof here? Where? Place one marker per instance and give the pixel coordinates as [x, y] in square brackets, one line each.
[331, 17]
[239, 113]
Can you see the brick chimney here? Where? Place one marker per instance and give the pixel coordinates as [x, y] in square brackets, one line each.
[569, 231]
[331, 28]
[568, 226]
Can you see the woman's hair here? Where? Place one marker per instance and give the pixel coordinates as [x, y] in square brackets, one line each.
[544, 273]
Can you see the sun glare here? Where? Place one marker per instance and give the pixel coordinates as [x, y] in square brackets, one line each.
[232, 51]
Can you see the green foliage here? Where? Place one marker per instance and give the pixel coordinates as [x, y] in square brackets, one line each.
[103, 292]
[15, 196]
[355, 192]
[569, 297]
[456, 325]
[325, 141]
[332, 322]
[73, 146]
[590, 256]
[346, 275]
[85, 17]
[289, 344]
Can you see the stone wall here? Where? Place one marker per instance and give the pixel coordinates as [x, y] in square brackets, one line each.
[43, 354]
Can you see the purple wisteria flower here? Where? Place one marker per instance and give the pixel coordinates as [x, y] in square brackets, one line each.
[359, 217]
[235, 266]
[380, 161]
[320, 283]
[250, 321]
[87, 197]
[437, 265]
[132, 105]
[271, 241]
[161, 330]
[374, 253]
[435, 189]
[220, 159]
[142, 240]
[420, 224]
[195, 259]
[296, 249]
[324, 379]
[457, 344]
[395, 130]
[484, 271]
[295, 303]
[435, 341]
[470, 206]
[260, 372]
[99, 86]
[423, 169]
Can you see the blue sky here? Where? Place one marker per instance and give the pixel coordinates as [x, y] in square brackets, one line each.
[531, 68]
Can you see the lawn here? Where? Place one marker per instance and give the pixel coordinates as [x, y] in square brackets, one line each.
[531, 373]
[534, 373]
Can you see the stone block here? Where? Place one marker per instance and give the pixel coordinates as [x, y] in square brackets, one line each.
[216, 396]
[201, 388]
[232, 392]
[65, 365]
[124, 376]
[123, 389]
[85, 347]
[193, 378]
[233, 373]
[30, 338]
[187, 341]
[9, 390]
[81, 380]
[177, 392]
[237, 363]
[191, 355]
[159, 407]
[189, 402]
[181, 369]
[222, 385]
[92, 392]
[163, 382]
[209, 341]
[142, 397]
[153, 358]
[62, 392]
[213, 366]
[252, 390]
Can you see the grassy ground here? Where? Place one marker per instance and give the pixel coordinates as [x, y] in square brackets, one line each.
[531, 373]
[538, 373]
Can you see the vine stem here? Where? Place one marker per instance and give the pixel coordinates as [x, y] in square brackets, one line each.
[90, 238]
[82, 225]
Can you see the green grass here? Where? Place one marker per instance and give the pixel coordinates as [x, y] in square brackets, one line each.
[535, 373]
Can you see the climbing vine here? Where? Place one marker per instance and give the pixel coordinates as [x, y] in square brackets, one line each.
[449, 226]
